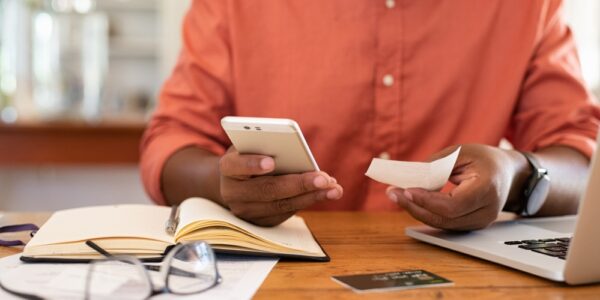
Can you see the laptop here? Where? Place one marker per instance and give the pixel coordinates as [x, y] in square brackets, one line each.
[563, 249]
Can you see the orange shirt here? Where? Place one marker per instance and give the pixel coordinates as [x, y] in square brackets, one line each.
[370, 78]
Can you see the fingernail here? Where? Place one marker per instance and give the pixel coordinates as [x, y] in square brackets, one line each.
[267, 163]
[408, 195]
[392, 196]
[333, 194]
[332, 180]
[320, 182]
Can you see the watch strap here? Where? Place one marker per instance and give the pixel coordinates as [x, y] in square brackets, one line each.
[537, 174]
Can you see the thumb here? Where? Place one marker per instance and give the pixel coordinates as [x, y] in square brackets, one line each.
[462, 200]
[443, 153]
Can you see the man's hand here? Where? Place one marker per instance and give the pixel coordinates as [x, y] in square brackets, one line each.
[269, 200]
[483, 176]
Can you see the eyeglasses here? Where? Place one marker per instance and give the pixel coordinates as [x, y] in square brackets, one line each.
[188, 268]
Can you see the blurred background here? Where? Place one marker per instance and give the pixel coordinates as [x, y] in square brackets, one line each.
[79, 79]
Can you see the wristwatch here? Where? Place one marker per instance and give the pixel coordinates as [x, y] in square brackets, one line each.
[536, 188]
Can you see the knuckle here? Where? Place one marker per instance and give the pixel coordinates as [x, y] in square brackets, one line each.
[318, 196]
[304, 183]
[268, 188]
[283, 206]
[440, 222]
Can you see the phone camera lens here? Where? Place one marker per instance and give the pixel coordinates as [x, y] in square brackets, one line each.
[247, 127]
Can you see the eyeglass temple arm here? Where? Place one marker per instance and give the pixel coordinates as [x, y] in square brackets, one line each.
[173, 270]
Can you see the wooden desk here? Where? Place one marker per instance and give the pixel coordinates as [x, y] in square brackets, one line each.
[375, 242]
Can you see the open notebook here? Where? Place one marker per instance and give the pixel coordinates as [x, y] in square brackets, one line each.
[139, 230]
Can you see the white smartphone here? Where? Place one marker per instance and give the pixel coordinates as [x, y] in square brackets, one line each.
[278, 138]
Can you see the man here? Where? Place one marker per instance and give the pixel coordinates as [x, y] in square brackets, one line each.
[405, 80]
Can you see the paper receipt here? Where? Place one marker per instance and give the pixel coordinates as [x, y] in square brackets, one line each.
[427, 175]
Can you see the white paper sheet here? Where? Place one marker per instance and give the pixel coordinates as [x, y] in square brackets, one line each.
[241, 279]
[427, 175]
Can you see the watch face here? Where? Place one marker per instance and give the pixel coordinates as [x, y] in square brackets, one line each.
[538, 196]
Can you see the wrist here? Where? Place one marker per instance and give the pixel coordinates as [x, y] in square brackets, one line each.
[521, 171]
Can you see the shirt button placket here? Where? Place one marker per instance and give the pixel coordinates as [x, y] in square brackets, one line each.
[390, 3]
[387, 79]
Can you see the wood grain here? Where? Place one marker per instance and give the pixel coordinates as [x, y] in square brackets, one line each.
[361, 242]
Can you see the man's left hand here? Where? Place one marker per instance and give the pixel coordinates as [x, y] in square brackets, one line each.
[483, 177]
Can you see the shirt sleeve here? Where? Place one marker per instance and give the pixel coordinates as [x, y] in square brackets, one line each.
[555, 108]
[195, 97]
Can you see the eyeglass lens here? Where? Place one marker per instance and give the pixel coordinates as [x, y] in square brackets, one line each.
[122, 278]
[192, 269]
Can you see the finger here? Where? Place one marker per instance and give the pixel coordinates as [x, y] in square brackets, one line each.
[468, 196]
[420, 213]
[475, 220]
[269, 188]
[262, 209]
[234, 164]
[460, 174]
[462, 200]
[443, 153]
[304, 201]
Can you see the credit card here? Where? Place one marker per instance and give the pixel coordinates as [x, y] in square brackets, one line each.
[389, 281]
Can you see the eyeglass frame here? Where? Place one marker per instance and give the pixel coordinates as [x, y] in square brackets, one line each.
[136, 261]
[163, 268]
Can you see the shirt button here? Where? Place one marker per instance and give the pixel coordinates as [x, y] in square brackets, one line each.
[388, 80]
[384, 155]
[390, 3]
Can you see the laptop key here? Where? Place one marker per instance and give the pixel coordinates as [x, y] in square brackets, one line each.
[531, 242]
[564, 240]
[513, 242]
[538, 246]
[547, 240]
[548, 252]
[557, 249]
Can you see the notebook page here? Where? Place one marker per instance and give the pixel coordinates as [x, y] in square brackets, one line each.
[126, 220]
[292, 233]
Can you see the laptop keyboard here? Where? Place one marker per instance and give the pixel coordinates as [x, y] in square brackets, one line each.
[551, 247]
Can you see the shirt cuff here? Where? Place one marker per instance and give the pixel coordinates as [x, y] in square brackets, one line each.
[584, 144]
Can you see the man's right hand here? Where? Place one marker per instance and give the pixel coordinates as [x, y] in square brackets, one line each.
[269, 200]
